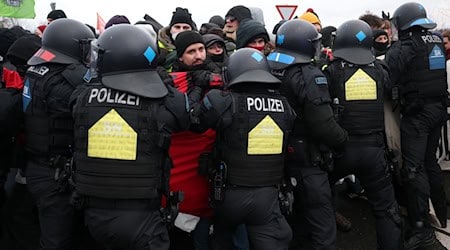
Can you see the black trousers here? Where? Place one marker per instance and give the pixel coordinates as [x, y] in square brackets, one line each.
[365, 158]
[56, 215]
[259, 210]
[21, 220]
[420, 134]
[116, 225]
[313, 221]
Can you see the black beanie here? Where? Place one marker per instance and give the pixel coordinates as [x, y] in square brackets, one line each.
[240, 12]
[182, 15]
[56, 14]
[7, 38]
[117, 19]
[23, 48]
[378, 32]
[211, 39]
[248, 31]
[217, 20]
[186, 38]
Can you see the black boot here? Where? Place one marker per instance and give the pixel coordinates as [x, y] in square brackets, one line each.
[420, 238]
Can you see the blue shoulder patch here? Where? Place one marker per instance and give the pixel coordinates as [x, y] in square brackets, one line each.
[88, 76]
[26, 94]
[321, 80]
[280, 58]
[436, 59]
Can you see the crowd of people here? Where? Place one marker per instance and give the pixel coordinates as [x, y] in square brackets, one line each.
[219, 137]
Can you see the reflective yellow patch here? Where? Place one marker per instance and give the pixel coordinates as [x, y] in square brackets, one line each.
[360, 87]
[265, 138]
[112, 138]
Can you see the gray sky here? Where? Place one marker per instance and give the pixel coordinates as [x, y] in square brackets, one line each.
[330, 12]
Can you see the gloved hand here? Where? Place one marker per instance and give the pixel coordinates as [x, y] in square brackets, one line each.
[201, 78]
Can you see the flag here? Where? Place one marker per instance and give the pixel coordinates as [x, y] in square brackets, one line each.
[17, 8]
[100, 24]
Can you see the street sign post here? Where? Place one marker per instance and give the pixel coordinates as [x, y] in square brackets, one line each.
[286, 11]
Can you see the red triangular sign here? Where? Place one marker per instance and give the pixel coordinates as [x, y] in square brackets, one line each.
[286, 11]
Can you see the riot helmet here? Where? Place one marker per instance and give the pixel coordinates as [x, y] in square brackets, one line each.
[64, 41]
[127, 61]
[353, 42]
[411, 14]
[248, 65]
[297, 41]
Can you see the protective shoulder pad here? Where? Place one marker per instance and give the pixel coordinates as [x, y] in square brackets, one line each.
[177, 103]
[382, 64]
[74, 74]
[218, 99]
[316, 85]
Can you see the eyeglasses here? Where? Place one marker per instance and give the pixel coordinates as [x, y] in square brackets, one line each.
[230, 18]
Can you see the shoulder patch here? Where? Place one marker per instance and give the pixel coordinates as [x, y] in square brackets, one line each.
[39, 69]
[321, 80]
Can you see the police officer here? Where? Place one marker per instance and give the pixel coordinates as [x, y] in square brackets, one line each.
[417, 66]
[314, 134]
[56, 70]
[253, 122]
[123, 122]
[358, 84]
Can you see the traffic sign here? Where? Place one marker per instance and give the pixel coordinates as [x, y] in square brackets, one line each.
[286, 11]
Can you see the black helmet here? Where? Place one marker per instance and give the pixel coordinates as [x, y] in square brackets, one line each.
[64, 41]
[411, 14]
[353, 42]
[248, 65]
[127, 60]
[297, 41]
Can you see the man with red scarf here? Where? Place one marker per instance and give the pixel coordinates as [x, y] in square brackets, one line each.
[191, 73]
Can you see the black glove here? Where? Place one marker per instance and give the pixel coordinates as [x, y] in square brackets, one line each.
[201, 78]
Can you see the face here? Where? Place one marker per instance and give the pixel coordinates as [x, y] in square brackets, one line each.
[318, 27]
[231, 23]
[49, 20]
[382, 39]
[446, 43]
[215, 49]
[195, 54]
[257, 43]
[179, 27]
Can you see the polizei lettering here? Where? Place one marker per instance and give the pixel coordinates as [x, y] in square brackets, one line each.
[40, 69]
[264, 104]
[431, 39]
[105, 95]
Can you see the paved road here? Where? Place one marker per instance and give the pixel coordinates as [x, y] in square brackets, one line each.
[362, 236]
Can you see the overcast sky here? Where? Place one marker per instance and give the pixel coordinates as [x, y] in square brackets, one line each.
[331, 12]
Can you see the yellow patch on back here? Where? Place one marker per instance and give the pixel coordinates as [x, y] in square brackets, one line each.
[111, 137]
[360, 86]
[265, 138]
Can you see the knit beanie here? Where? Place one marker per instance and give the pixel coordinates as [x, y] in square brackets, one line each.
[249, 30]
[310, 17]
[182, 15]
[240, 12]
[186, 38]
[327, 36]
[378, 32]
[117, 19]
[56, 14]
[211, 39]
[23, 48]
[217, 20]
[7, 38]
